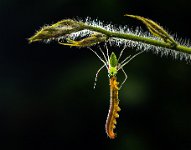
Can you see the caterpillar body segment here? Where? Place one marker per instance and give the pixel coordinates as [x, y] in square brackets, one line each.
[113, 108]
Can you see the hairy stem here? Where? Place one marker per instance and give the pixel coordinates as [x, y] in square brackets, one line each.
[146, 40]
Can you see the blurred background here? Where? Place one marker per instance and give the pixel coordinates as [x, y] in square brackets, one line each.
[47, 100]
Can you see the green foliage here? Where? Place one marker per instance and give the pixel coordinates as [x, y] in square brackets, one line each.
[88, 33]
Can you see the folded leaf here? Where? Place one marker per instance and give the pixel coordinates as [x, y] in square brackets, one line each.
[155, 29]
[57, 30]
[95, 38]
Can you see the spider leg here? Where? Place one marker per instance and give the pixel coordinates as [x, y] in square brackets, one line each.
[95, 81]
[121, 53]
[128, 59]
[123, 63]
[125, 59]
[107, 50]
[105, 63]
[124, 79]
[106, 60]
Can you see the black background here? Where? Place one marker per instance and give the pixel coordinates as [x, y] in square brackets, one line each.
[47, 99]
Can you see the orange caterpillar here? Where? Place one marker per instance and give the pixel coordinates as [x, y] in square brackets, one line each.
[113, 109]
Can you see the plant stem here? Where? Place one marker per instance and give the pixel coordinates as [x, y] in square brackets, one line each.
[146, 40]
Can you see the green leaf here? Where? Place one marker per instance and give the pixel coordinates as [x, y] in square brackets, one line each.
[155, 29]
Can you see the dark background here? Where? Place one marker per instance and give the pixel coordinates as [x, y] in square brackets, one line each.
[47, 99]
